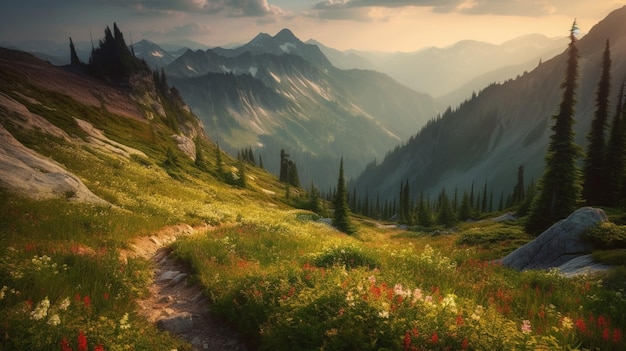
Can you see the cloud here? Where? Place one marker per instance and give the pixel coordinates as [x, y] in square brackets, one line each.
[235, 8]
[526, 8]
[183, 31]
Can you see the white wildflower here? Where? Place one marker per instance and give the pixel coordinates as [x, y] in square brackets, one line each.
[2, 291]
[54, 320]
[124, 324]
[64, 304]
[526, 328]
[41, 310]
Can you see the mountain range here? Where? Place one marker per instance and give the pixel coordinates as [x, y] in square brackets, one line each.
[504, 126]
[277, 92]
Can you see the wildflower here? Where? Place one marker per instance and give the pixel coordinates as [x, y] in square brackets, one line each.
[106, 296]
[606, 334]
[449, 302]
[566, 323]
[98, 348]
[417, 295]
[407, 340]
[526, 328]
[64, 304]
[617, 335]
[465, 344]
[372, 279]
[459, 320]
[2, 291]
[87, 301]
[581, 326]
[65, 346]
[54, 320]
[434, 338]
[41, 310]
[82, 341]
[478, 311]
[124, 324]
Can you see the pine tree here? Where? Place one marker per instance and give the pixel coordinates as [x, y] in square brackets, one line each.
[424, 216]
[518, 190]
[615, 151]
[241, 173]
[594, 170]
[560, 186]
[465, 211]
[74, 60]
[341, 219]
[483, 207]
[218, 159]
[445, 216]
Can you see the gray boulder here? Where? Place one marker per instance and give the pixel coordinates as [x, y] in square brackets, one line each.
[177, 324]
[558, 244]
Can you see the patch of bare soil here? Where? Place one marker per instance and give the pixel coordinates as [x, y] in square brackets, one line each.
[176, 305]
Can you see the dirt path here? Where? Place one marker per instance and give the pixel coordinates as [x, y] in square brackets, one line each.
[176, 306]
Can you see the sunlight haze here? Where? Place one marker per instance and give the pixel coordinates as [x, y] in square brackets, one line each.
[375, 25]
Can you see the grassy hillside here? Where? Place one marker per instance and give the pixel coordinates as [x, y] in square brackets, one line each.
[284, 279]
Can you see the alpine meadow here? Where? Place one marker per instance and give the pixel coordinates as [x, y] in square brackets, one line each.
[282, 194]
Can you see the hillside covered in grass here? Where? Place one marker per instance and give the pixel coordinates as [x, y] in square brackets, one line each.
[282, 277]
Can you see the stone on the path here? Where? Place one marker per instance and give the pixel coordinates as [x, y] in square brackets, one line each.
[178, 278]
[559, 244]
[177, 324]
[168, 275]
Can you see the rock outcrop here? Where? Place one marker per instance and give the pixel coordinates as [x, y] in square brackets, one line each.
[558, 244]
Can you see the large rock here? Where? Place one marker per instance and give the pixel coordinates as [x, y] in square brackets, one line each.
[177, 324]
[558, 244]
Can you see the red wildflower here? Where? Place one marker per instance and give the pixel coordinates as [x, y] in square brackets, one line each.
[435, 338]
[65, 346]
[98, 348]
[617, 335]
[606, 334]
[465, 344]
[106, 296]
[82, 341]
[29, 302]
[407, 340]
[602, 322]
[459, 320]
[87, 301]
[580, 325]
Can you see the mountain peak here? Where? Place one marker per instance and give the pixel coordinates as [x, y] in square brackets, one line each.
[285, 35]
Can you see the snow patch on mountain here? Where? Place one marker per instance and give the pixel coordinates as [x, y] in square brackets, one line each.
[286, 47]
[253, 70]
[157, 53]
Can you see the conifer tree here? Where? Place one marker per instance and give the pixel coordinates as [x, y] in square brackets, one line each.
[241, 173]
[594, 170]
[615, 151]
[424, 216]
[483, 207]
[518, 190]
[218, 159]
[74, 60]
[560, 186]
[341, 219]
[465, 211]
[445, 216]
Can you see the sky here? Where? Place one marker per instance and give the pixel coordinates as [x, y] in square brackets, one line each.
[372, 25]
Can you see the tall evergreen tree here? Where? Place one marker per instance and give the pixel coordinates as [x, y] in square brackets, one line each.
[615, 152]
[74, 60]
[560, 186]
[424, 216]
[485, 201]
[594, 170]
[445, 216]
[341, 219]
[518, 190]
